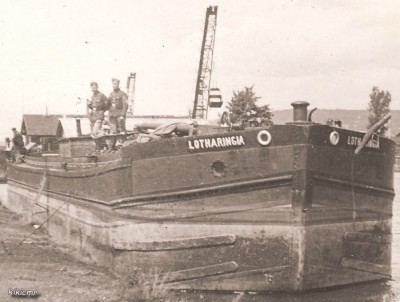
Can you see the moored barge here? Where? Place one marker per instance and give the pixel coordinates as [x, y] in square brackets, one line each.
[281, 208]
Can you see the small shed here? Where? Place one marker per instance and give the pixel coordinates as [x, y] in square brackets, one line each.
[41, 129]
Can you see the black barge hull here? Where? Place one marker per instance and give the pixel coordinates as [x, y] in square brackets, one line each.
[286, 208]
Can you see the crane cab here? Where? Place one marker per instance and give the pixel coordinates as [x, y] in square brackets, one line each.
[215, 98]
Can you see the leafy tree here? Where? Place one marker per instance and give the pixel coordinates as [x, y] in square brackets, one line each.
[243, 106]
[378, 107]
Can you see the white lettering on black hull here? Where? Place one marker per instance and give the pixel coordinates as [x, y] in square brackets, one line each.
[216, 142]
[355, 141]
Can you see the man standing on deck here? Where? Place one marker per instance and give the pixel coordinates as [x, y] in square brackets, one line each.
[194, 130]
[97, 105]
[8, 149]
[18, 145]
[117, 113]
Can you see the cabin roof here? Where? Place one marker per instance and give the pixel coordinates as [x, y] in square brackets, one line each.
[39, 125]
[67, 127]
[396, 139]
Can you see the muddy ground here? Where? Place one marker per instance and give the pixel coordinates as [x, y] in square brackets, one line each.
[37, 264]
[30, 260]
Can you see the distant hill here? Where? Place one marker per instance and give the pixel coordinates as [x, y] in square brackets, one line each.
[351, 119]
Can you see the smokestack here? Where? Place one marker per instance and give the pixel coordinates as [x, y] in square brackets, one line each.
[78, 126]
[300, 111]
[87, 107]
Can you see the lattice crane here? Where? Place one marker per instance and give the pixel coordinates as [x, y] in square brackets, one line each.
[200, 106]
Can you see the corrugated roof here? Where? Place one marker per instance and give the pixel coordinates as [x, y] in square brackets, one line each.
[40, 125]
[69, 128]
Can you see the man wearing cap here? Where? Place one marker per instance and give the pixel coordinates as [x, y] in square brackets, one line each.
[194, 130]
[18, 145]
[97, 105]
[8, 149]
[118, 107]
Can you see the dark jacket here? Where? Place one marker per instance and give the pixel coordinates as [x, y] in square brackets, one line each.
[118, 101]
[18, 141]
[98, 104]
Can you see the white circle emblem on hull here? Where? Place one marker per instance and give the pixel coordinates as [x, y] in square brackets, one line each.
[334, 138]
[264, 137]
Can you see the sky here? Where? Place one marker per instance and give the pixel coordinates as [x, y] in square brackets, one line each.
[329, 53]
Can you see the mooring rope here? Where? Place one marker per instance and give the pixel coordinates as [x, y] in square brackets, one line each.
[58, 209]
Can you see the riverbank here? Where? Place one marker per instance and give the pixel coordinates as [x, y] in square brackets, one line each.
[38, 264]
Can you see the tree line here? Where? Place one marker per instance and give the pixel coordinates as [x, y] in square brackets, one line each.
[244, 107]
